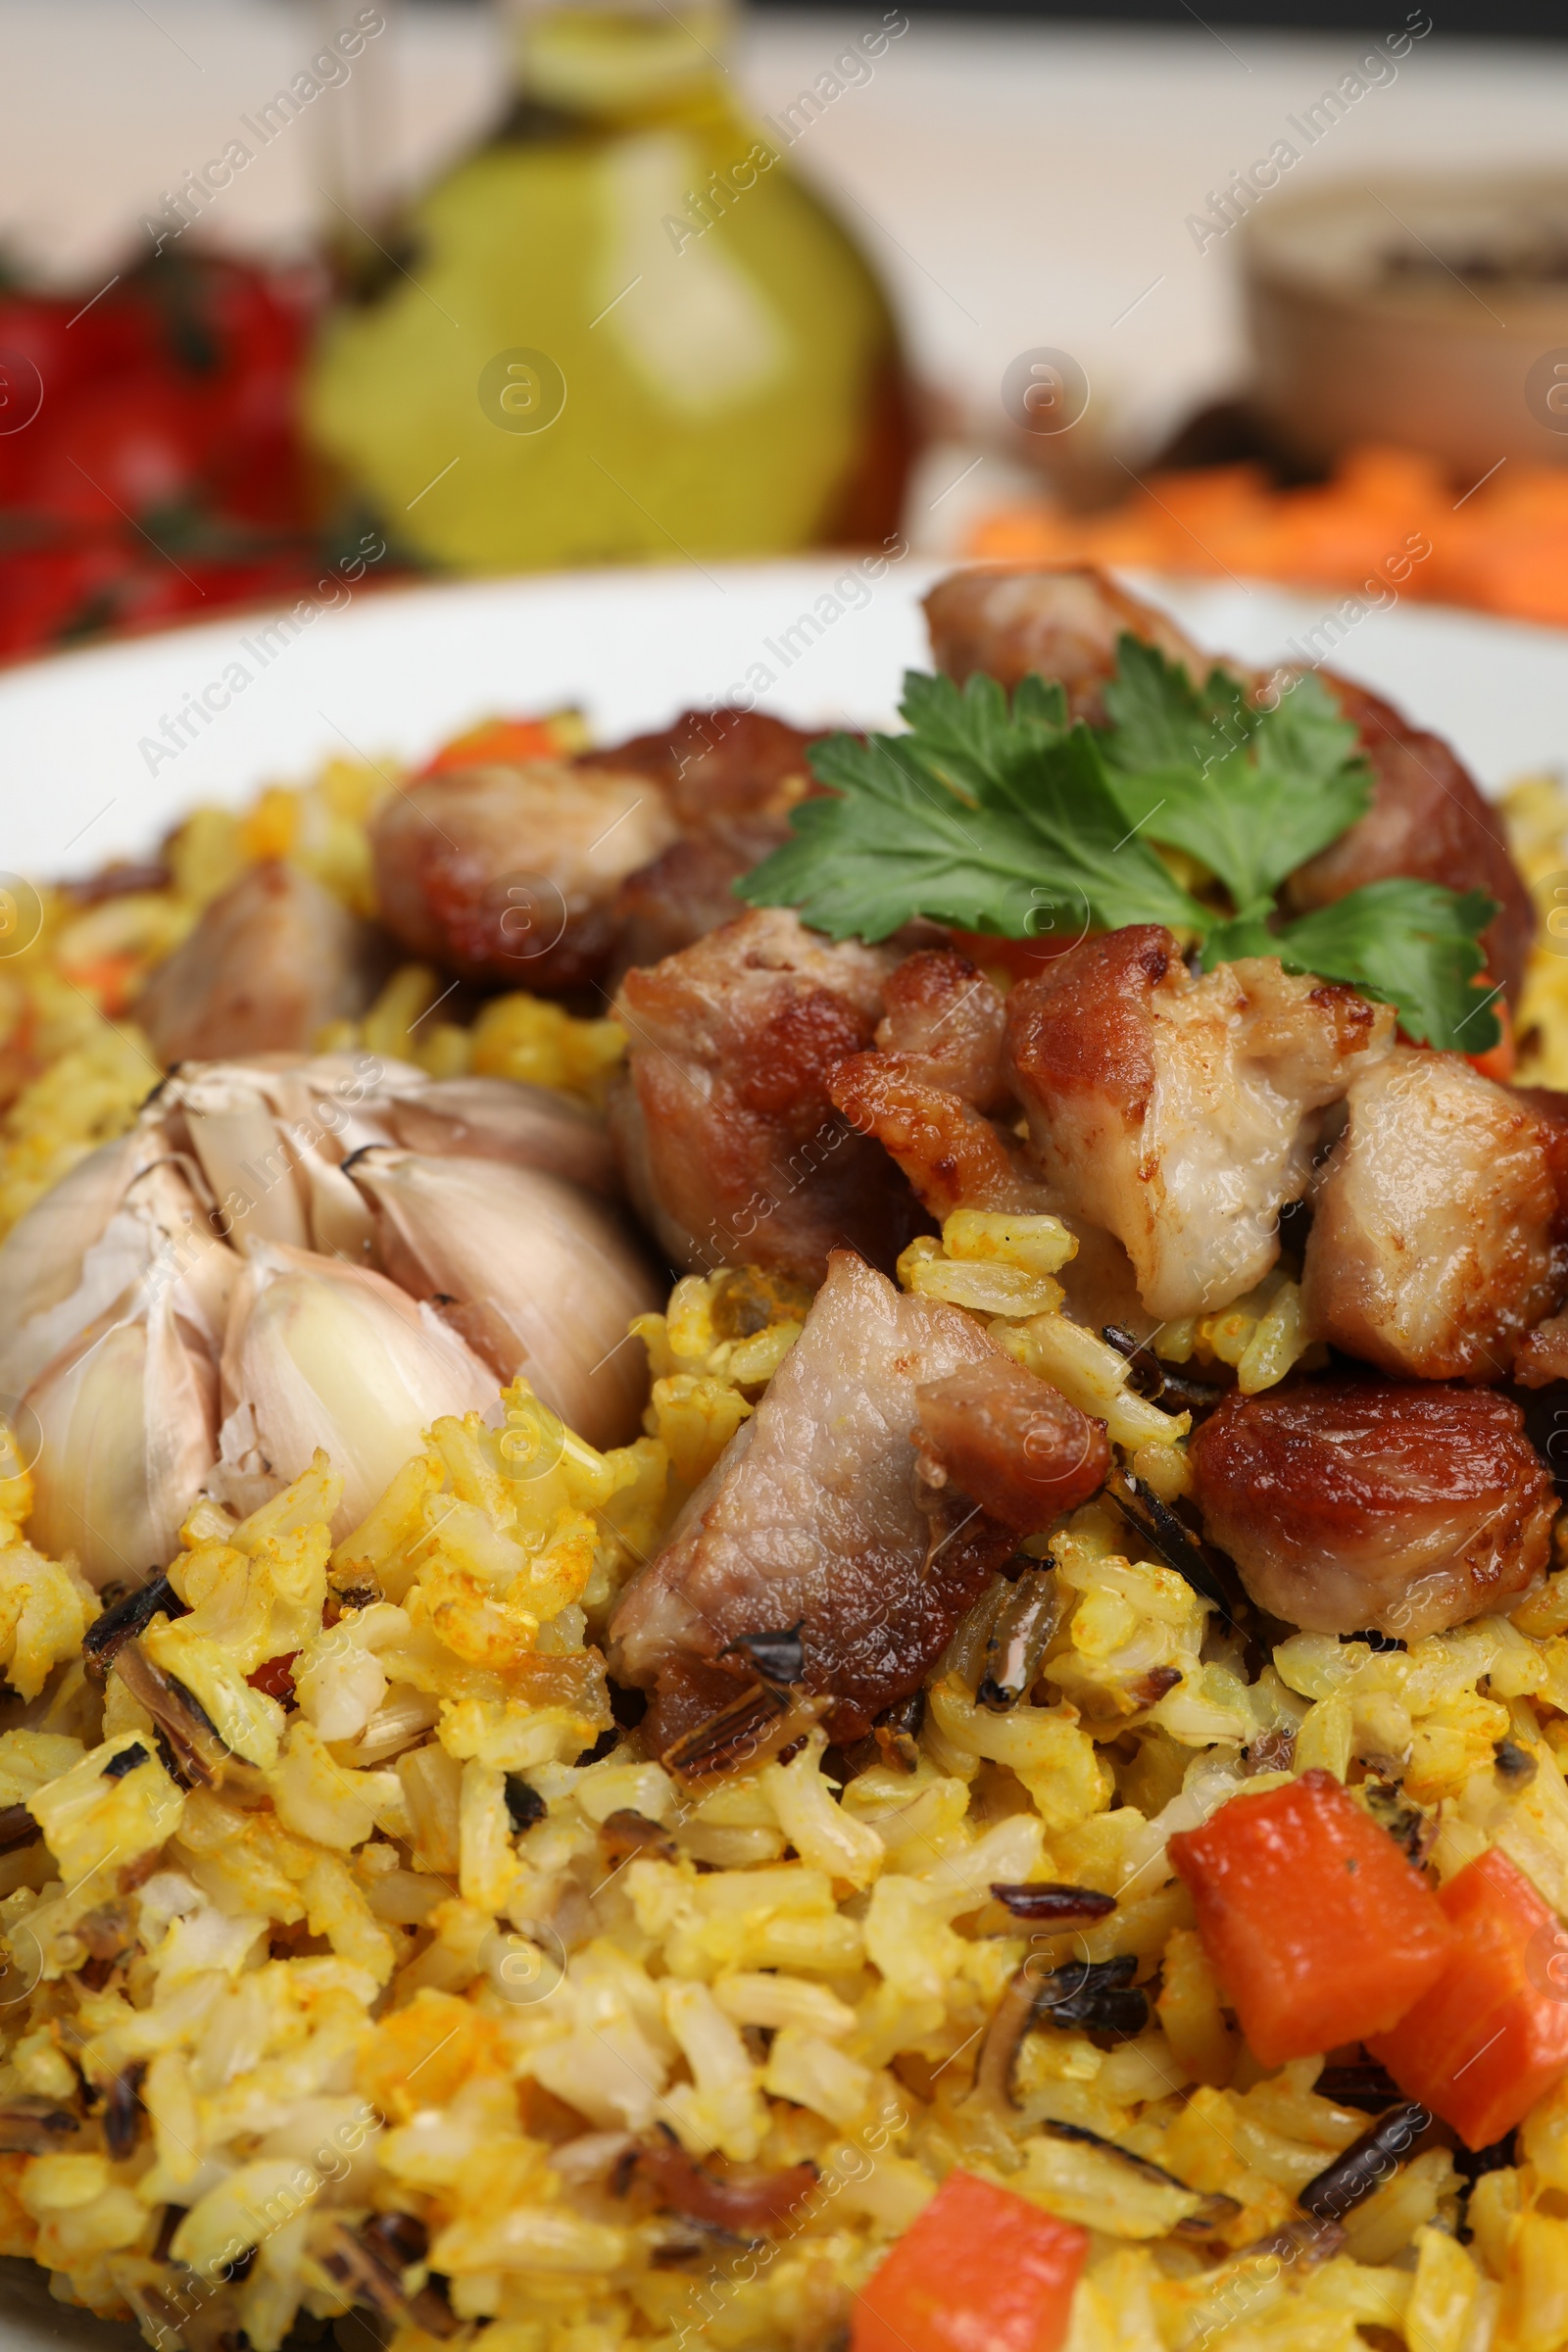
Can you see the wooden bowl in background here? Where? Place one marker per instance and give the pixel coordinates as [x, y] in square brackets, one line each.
[1431, 313]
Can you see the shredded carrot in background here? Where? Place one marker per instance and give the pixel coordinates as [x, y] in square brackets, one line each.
[1389, 517]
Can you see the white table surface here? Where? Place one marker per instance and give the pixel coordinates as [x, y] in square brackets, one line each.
[1018, 185]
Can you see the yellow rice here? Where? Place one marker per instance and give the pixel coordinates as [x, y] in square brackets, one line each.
[365, 1992]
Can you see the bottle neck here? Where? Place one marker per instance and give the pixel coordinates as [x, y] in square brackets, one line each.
[614, 62]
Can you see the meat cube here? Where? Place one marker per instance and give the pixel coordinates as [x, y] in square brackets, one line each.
[948, 1023]
[1182, 1113]
[1434, 1232]
[1012, 1442]
[717, 764]
[509, 874]
[1357, 1503]
[815, 1514]
[1065, 625]
[728, 1141]
[1428, 819]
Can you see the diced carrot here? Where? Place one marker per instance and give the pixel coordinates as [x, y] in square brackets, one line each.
[108, 978]
[1490, 2036]
[980, 2271]
[1317, 1926]
[1019, 958]
[497, 742]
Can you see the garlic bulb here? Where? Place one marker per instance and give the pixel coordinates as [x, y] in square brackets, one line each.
[127, 1425]
[322, 1353]
[539, 1278]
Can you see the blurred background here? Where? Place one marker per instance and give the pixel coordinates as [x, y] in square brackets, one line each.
[303, 294]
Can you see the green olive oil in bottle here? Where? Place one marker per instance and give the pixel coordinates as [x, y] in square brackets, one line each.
[621, 331]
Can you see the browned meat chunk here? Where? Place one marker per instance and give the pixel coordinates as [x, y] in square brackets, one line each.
[688, 889]
[717, 763]
[509, 874]
[269, 964]
[814, 1515]
[1182, 1113]
[1541, 1355]
[953, 1157]
[948, 1022]
[1434, 1235]
[1357, 1503]
[729, 1142]
[1429, 820]
[1063, 624]
[1012, 1442]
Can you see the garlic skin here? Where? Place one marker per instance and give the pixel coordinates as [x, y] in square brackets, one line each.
[128, 1423]
[269, 1137]
[542, 1279]
[319, 1353]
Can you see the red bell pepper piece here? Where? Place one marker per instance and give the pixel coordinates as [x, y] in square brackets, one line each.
[1490, 2036]
[274, 1677]
[1317, 1926]
[981, 2270]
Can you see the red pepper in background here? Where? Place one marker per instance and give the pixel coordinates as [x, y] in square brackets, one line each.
[1318, 1929]
[1490, 2036]
[164, 474]
[980, 2271]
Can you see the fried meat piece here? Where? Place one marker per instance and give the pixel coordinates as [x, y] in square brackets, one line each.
[1010, 1441]
[510, 874]
[814, 1515]
[1428, 821]
[1357, 1503]
[1065, 625]
[729, 1142]
[953, 1157]
[948, 1023]
[270, 964]
[1181, 1113]
[719, 764]
[688, 889]
[1435, 1240]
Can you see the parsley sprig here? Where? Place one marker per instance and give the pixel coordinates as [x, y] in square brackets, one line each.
[999, 816]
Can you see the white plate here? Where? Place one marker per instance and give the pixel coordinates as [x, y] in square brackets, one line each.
[86, 775]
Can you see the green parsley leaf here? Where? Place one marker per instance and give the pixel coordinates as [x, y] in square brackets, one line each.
[1251, 793]
[997, 816]
[1413, 944]
[968, 735]
[1033, 844]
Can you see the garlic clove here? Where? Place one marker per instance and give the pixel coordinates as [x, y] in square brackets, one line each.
[319, 1353]
[541, 1279]
[159, 1236]
[41, 1257]
[272, 1133]
[126, 1424]
[501, 1118]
